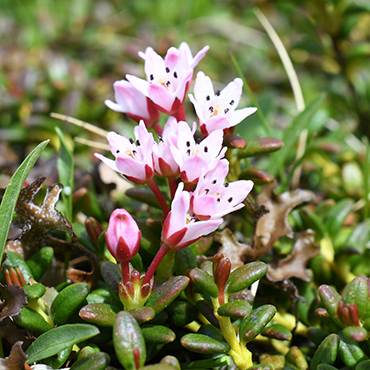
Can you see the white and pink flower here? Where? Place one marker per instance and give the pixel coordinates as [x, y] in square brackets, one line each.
[133, 158]
[168, 79]
[217, 111]
[136, 105]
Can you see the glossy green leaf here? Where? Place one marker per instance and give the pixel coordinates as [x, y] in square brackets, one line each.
[34, 291]
[237, 309]
[102, 314]
[216, 362]
[166, 293]
[350, 352]
[200, 343]
[336, 216]
[184, 261]
[40, 261]
[171, 361]
[53, 341]
[326, 352]
[32, 320]
[57, 361]
[296, 358]
[261, 145]
[253, 324]
[11, 194]
[68, 301]
[363, 365]
[277, 331]
[158, 334]
[143, 314]
[244, 276]
[207, 311]
[355, 333]
[96, 361]
[128, 340]
[112, 275]
[330, 299]
[204, 281]
[357, 291]
[182, 313]
[258, 176]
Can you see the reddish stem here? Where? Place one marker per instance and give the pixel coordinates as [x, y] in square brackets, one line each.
[180, 114]
[156, 261]
[158, 128]
[172, 183]
[154, 187]
[125, 268]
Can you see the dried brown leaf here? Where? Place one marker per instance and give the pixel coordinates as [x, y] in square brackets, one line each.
[16, 359]
[13, 298]
[294, 265]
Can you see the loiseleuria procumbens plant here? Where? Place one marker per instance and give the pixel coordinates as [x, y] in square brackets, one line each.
[199, 194]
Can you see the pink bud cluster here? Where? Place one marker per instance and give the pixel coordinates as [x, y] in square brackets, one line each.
[196, 169]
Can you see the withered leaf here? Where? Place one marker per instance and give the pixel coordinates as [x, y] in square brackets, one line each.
[13, 298]
[16, 359]
[294, 265]
[37, 220]
[11, 333]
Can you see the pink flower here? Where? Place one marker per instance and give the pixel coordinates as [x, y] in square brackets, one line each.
[122, 236]
[168, 79]
[133, 103]
[198, 157]
[133, 157]
[212, 198]
[166, 155]
[181, 228]
[216, 111]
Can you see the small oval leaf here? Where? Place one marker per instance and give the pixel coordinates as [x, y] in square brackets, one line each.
[200, 343]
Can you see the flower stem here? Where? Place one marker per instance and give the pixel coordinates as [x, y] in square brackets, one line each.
[180, 114]
[125, 268]
[172, 183]
[163, 250]
[154, 187]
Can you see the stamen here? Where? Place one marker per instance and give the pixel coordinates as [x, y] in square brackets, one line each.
[208, 97]
[188, 152]
[214, 181]
[218, 200]
[206, 149]
[175, 74]
[226, 110]
[117, 151]
[134, 152]
[211, 109]
[138, 142]
[218, 92]
[232, 102]
[188, 144]
[168, 83]
[151, 77]
[230, 199]
[131, 140]
[226, 185]
[167, 70]
[160, 139]
[207, 191]
[198, 140]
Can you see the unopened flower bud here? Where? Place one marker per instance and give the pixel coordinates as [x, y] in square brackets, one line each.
[123, 236]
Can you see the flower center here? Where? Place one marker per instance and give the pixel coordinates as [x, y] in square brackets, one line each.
[215, 111]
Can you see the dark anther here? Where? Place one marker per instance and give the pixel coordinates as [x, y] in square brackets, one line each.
[198, 140]
[188, 144]
[175, 74]
[226, 110]
[167, 70]
[151, 77]
[117, 151]
[138, 142]
[168, 83]
[188, 152]
[218, 200]
[211, 109]
[160, 138]
[218, 92]
[214, 181]
[206, 149]
[131, 140]
[134, 152]
[207, 191]
[230, 199]
[232, 102]
[208, 97]
[226, 185]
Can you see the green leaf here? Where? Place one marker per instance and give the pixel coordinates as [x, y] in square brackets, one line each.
[13, 261]
[158, 334]
[184, 260]
[260, 146]
[357, 291]
[65, 165]
[349, 351]
[166, 293]
[128, 340]
[216, 362]
[40, 261]
[277, 331]
[182, 313]
[55, 340]
[12, 191]
[258, 176]
[204, 281]
[34, 291]
[96, 361]
[62, 357]
[327, 352]
[68, 301]
[32, 320]
[363, 365]
[112, 275]
[355, 333]
[253, 324]
[200, 343]
[237, 309]
[102, 314]
[330, 299]
[143, 314]
[336, 216]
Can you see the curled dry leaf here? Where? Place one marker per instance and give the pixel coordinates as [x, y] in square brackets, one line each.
[13, 298]
[294, 265]
[274, 224]
[16, 359]
[37, 223]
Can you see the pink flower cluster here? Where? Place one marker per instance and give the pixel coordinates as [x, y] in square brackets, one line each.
[196, 169]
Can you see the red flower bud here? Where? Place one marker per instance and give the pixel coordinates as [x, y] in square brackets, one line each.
[122, 236]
